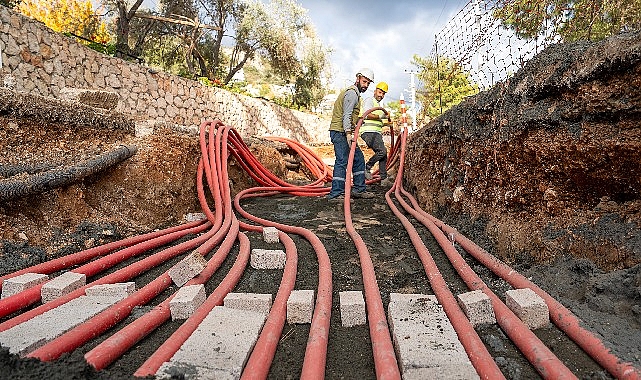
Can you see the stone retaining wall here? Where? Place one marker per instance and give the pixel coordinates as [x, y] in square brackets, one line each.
[36, 60]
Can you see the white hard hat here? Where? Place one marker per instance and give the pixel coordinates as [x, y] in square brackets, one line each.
[367, 73]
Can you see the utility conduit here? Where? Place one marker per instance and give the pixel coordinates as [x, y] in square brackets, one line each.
[32, 295]
[477, 352]
[171, 345]
[563, 318]
[258, 364]
[545, 362]
[70, 260]
[316, 351]
[116, 345]
[383, 350]
[120, 275]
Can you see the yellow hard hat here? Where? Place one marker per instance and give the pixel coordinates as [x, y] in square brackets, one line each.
[382, 86]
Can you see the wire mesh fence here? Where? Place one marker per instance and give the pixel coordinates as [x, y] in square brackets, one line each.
[483, 47]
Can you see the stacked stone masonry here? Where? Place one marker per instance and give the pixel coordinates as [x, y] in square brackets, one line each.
[36, 60]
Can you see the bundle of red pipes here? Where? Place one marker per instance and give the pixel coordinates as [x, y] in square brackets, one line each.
[222, 229]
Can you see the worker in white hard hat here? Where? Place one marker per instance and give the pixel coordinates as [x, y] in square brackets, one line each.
[341, 132]
[371, 132]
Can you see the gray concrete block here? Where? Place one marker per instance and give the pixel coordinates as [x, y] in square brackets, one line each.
[187, 268]
[478, 307]
[218, 348]
[259, 303]
[458, 371]
[30, 335]
[425, 341]
[267, 258]
[270, 235]
[194, 216]
[352, 306]
[61, 285]
[529, 307]
[186, 301]
[300, 306]
[120, 290]
[21, 283]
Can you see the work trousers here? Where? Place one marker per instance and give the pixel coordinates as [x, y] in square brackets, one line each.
[341, 152]
[374, 141]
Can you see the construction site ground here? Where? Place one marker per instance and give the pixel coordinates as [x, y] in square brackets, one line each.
[156, 188]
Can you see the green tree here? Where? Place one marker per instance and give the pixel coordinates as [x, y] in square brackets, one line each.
[572, 20]
[308, 88]
[445, 85]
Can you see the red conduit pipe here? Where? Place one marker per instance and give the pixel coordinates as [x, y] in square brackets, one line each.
[543, 360]
[258, 364]
[318, 168]
[316, 351]
[563, 318]
[32, 295]
[112, 348]
[117, 344]
[382, 348]
[106, 319]
[88, 254]
[120, 275]
[477, 352]
[171, 345]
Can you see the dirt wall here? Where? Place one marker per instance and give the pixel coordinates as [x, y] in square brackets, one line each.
[550, 159]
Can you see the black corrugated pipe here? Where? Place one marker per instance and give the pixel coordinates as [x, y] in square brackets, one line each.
[41, 182]
[7, 171]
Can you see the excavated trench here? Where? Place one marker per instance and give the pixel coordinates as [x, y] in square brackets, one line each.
[552, 190]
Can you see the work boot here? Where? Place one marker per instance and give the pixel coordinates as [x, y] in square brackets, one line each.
[363, 195]
[339, 199]
[387, 182]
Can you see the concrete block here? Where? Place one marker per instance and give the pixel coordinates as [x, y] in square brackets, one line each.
[259, 303]
[529, 307]
[426, 343]
[352, 306]
[300, 306]
[20, 283]
[187, 268]
[186, 301]
[32, 334]
[219, 347]
[267, 258]
[478, 307]
[120, 290]
[194, 216]
[270, 235]
[61, 285]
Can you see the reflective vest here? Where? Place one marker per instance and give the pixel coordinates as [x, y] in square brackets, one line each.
[373, 125]
[337, 114]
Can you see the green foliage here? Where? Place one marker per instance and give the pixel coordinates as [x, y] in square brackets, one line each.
[444, 85]
[572, 20]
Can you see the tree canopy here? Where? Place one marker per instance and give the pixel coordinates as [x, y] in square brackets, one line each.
[572, 20]
[445, 84]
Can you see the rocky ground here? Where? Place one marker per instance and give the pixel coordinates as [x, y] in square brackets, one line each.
[583, 248]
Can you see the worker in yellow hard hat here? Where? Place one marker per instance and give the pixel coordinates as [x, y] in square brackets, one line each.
[371, 132]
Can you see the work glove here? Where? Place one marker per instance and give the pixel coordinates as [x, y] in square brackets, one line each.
[350, 137]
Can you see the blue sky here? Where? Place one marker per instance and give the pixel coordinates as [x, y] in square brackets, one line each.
[381, 35]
